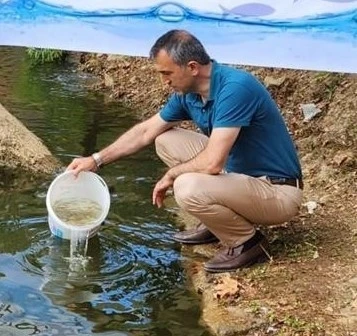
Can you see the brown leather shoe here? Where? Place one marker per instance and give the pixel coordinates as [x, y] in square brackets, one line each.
[231, 258]
[199, 235]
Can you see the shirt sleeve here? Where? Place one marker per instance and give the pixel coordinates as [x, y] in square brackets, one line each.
[174, 109]
[235, 106]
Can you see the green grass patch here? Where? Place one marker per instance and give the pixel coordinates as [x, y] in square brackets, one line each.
[41, 56]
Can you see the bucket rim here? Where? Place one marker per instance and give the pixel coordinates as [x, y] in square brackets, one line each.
[82, 227]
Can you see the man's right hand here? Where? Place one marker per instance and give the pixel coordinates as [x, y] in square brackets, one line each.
[82, 164]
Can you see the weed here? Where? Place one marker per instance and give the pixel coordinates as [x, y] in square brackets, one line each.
[295, 323]
[254, 307]
[41, 56]
[259, 272]
[328, 83]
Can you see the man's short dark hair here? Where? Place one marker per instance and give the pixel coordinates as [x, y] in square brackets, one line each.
[181, 46]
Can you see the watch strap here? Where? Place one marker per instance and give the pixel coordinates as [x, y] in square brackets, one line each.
[97, 159]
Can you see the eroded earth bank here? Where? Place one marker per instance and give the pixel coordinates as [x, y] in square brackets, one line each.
[310, 285]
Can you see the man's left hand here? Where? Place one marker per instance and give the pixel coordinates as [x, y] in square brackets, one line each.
[160, 189]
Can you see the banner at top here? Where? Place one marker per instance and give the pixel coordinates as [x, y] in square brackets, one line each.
[299, 34]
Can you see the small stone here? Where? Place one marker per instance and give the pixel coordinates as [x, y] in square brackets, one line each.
[324, 199]
[272, 330]
[108, 80]
[112, 58]
[311, 206]
[329, 309]
[353, 281]
[272, 81]
[283, 302]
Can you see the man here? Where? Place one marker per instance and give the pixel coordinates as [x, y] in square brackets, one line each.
[241, 170]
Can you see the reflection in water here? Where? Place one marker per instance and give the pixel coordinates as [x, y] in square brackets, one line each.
[28, 310]
[132, 282]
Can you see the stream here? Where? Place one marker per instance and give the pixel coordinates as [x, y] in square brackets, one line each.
[134, 283]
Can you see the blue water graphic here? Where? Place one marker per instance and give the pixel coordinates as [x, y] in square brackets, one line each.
[30, 10]
[289, 35]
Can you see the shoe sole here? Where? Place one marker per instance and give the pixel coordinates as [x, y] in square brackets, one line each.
[259, 260]
[196, 242]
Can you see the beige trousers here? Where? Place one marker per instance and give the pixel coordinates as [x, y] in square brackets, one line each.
[228, 203]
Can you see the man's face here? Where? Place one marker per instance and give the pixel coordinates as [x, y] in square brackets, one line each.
[180, 78]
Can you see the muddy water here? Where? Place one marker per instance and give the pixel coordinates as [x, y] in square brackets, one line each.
[133, 283]
[77, 211]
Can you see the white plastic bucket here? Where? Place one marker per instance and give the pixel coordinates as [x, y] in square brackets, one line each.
[87, 185]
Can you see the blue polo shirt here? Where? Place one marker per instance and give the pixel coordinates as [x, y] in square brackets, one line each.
[238, 99]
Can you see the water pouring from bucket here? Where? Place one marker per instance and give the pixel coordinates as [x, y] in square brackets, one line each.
[77, 205]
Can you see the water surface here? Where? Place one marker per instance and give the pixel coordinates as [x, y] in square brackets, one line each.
[134, 283]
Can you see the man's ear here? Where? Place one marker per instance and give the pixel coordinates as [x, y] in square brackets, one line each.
[193, 67]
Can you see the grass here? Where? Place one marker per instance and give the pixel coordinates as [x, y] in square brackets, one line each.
[41, 56]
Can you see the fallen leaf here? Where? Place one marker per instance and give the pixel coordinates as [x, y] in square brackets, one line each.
[226, 288]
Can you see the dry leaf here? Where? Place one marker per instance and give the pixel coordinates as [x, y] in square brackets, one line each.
[227, 287]
[343, 158]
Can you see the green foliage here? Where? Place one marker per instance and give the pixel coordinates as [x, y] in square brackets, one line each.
[255, 307]
[41, 56]
[295, 323]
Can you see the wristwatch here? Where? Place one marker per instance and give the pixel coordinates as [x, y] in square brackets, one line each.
[97, 159]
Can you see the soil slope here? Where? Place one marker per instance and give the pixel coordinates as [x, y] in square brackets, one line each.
[310, 285]
[21, 150]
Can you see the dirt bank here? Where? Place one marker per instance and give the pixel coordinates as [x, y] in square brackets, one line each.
[21, 150]
[310, 285]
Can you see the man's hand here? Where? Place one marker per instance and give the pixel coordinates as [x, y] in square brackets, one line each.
[160, 189]
[82, 164]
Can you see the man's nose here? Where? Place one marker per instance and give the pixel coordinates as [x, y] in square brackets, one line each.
[165, 80]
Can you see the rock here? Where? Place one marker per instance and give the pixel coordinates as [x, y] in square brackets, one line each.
[311, 206]
[113, 58]
[353, 281]
[345, 158]
[324, 199]
[20, 148]
[108, 80]
[272, 81]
